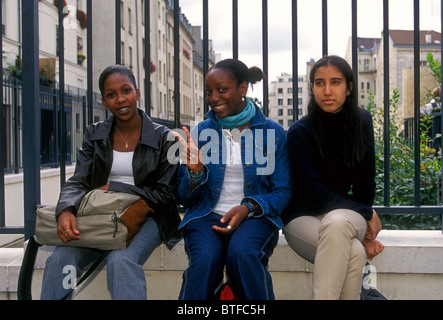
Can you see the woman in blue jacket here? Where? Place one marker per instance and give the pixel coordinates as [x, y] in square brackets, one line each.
[234, 184]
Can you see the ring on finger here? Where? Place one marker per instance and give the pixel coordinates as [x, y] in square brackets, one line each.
[229, 228]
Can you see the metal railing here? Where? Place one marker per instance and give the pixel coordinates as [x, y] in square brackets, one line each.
[32, 116]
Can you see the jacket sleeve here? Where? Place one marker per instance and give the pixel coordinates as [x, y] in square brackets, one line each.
[363, 187]
[278, 191]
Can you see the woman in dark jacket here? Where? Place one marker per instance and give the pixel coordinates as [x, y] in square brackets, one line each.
[126, 153]
[330, 220]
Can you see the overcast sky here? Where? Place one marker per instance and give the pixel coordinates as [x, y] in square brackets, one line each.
[370, 24]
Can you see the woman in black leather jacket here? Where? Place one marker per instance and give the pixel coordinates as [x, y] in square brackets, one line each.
[126, 153]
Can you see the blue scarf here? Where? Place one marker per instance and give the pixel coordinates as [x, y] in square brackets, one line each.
[240, 119]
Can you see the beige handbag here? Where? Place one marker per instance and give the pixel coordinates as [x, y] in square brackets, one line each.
[106, 220]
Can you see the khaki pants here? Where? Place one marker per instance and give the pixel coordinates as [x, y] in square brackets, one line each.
[333, 242]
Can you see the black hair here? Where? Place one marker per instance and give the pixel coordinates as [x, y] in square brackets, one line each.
[240, 72]
[355, 145]
[112, 70]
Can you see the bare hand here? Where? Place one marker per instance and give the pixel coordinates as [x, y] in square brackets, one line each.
[374, 227]
[372, 247]
[67, 227]
[234, 217]
[105, 187]
[191, 156]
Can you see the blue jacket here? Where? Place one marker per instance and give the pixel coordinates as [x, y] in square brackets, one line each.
[266, 169]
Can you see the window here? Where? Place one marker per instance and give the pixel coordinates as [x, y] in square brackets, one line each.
[130, 20]
[280, 102]
[280, 112]
[366, 66]
[290, 112]
[289, 102]
[280, 90]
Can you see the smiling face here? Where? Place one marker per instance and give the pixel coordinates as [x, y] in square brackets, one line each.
[120, 96]
[223, 94]
[330, 89]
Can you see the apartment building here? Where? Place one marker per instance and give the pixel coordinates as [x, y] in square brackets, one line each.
[75, 40]
[281, 104]
[160, 70]
[401, 63]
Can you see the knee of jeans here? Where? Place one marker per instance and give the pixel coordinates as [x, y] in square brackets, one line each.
[117, 257]
[240, 254]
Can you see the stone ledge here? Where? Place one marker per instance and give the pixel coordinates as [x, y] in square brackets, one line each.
[411, 259]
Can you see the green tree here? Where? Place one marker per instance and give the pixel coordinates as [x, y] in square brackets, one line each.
[402, 166]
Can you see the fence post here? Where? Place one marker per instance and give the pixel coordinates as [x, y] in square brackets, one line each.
[31, 114]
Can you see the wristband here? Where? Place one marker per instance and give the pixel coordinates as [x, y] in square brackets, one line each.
[250, 207]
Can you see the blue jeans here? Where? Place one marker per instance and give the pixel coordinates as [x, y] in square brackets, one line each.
[245, 253]
[125, 275]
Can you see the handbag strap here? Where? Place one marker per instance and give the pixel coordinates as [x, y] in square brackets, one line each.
[91, 269]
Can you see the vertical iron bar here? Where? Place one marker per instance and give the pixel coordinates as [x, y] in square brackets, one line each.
[31, 114]
[295, 113]
[177, 64]
[89, 39]
[265, 58]
[147, 57]
[206, 49]
[386, 94]
[118, 30]
[355, 48]
[441, 116]
[2, 139]
[417, 102]
[235, 29]
[61, 93]
[325, 26]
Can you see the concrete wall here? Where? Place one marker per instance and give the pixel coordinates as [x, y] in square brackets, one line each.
[50, 189]
[409, 268]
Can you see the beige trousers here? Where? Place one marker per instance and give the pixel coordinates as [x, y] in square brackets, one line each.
[333, 243]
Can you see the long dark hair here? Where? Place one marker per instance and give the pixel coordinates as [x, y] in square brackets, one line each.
[354, 143]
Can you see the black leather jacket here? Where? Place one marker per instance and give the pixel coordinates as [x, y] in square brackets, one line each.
[154, 176]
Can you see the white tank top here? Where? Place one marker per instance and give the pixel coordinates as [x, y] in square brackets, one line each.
[121, 170]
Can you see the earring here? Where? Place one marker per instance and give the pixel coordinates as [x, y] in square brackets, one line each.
[242, 98]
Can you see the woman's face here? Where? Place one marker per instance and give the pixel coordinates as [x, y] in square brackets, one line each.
[120, 96]
[223, 95]
[330, 89]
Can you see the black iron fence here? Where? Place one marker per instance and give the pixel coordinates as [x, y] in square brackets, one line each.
[35, 108]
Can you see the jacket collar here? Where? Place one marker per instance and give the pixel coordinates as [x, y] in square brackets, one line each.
[258, 120]
[148, 136]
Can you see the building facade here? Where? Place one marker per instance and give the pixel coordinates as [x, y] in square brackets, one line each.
[281, 104]
[401, 63]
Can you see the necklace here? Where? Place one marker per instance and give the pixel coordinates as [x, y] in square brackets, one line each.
[126, 141]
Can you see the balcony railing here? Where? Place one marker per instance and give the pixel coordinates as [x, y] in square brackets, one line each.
[32, 111]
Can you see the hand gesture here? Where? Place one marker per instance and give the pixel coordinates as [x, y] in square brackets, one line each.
[191, 156]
